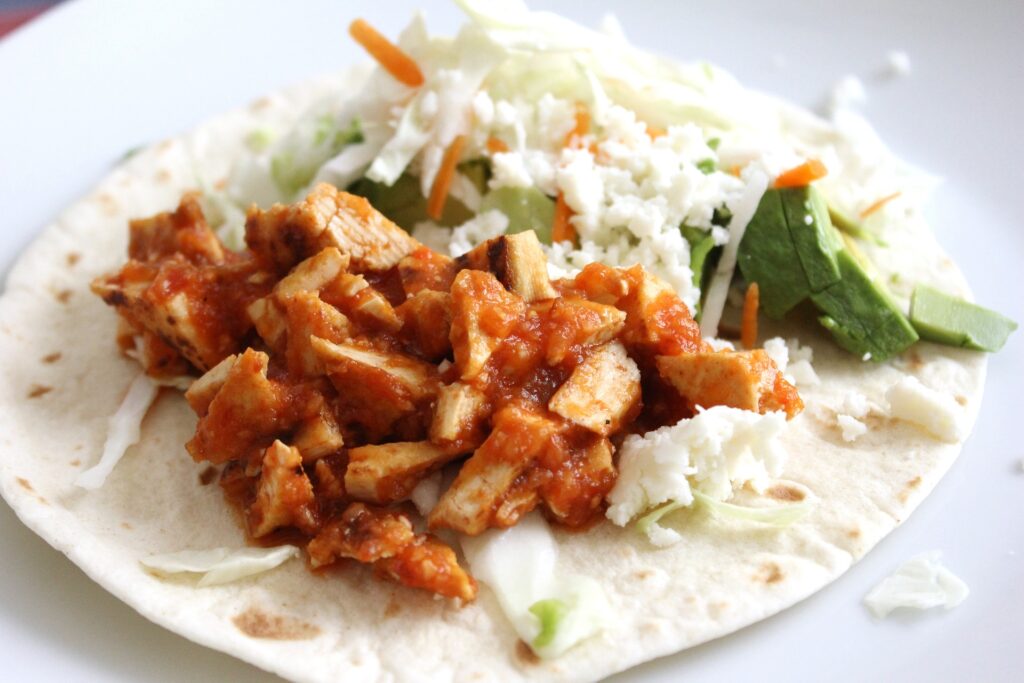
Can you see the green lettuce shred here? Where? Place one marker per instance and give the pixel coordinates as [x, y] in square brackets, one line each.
[550, 612]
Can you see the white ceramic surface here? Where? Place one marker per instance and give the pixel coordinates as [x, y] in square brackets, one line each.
[94, 78]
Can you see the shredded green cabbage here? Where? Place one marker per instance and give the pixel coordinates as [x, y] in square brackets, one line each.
[550, 612]
[779, 516]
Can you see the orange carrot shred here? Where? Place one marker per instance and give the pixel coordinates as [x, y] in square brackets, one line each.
[444, 177]
[582, 127]
[751, 301]
[653, 132]
[736, 170]
[879, 204]
[388, 55]
[561, 228]
[802, 175]
[496, 146]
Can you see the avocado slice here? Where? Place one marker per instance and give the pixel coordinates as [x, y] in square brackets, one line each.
[811, 230]
[527, 208]
[950, 320]
[861, 315]
[768, 256]
[404, 203]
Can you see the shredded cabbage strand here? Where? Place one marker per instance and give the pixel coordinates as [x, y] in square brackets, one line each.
[123, 431]
[220, 565]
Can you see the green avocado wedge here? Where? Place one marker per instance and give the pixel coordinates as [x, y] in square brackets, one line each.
[950, 320]
[527, 208]
[813, 235]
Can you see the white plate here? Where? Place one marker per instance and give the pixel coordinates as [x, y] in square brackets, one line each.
[92, 79]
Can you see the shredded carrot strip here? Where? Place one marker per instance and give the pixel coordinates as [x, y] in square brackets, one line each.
[879, 204]
[444, 177]
[802, 175]
[751, 301]
[495, 146]
[389, 55]
[736, 170]
[653, 132]
[561, 228]
[582, 127]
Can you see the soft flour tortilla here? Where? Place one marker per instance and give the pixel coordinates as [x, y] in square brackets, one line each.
[348, 625]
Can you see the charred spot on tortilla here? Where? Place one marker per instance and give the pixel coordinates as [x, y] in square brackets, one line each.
[207, 475]
[76, 463]
[37, 390]
[908, 488]
[52, 357]
[72, 258]
[784, 492]
[960, 399]
[127, 526]
[25, 484]
[256, 623]
[769, 573]
[63, 296]
[393, 608]
[525, 654]
[163, 176]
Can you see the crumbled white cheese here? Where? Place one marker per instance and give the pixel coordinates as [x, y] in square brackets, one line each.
[921, 583]
[856, 404]
[509, 170]
[937, 413]
[851, 427]
[717, 344]
[220, 565]
[793, 360]
[848, 93]
[778, 351]
[712, 451]
[480, 228]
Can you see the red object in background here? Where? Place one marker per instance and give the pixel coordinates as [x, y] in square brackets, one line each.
[11, 19]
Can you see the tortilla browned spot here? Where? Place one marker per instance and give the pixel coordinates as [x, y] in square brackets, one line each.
[393, 608]
[25, 484]
[109, 204]
[914, 360]
[853, 533]
[908, 488]
[255, 623]
[37, 390]
[163, 176]
[73, 257]
[769, 573]
[786, 493]
[126, 525]
[641, 574]
[52, 357]
[961, 399]
[76, 462]
[207, 475]
[525, 654]
[63, 296]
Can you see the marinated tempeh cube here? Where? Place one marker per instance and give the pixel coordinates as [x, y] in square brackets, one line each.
[582, 474]
[578, 323]
[459, 416]
[426, 269]
[601, 391]
[518, 261]
[327, 217]
[483, 314]
[517, 439]
[183, 231]
[429, 564]
[748, 380]
[388, 472]
[427, 322]
[318, 436]
[284, 496]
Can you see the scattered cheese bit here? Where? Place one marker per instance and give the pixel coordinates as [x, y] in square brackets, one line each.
[937, 413]
[793, 360]
[921, 583]
[852, 427]
[848, 93]
[220, 565]
[123, 430]
[714, 450]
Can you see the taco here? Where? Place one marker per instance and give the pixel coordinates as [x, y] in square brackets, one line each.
[330, 268]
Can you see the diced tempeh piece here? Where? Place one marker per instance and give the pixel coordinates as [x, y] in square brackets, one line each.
[398, 375]
[577, 323]
[204, 389]
[330, 479]
[269, 321]
[426, 269]
[427, 322]
[314, 273]
[748, 380]
[327, 217]
[249, 411]
[199, 310]
[363, 533]
[429, 564]
[284, 496]
[657, 320]
[365, 305]
[580, 480]
[318, 436]
[159, 358]
[389, 472]
[601, 391]
[459, 416]
[483, 314]
[310, 317]
[518, 261]
[183, 231]
[517, 439]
